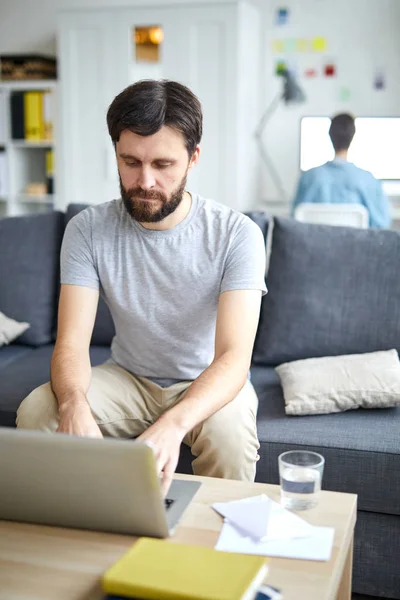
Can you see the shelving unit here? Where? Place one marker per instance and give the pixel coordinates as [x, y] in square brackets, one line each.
[23, 161]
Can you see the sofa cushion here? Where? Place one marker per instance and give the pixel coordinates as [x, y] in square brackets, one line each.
[23, 375]
[104, 329]
[320, 303]
[29, 272]
[13, 352]
[361, 447]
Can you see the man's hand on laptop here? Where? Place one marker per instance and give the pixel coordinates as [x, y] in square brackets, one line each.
[165, 437]
[76, 419]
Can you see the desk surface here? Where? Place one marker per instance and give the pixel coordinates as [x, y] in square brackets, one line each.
[49, 563]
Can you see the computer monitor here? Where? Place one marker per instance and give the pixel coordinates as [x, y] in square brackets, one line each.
[376, 145]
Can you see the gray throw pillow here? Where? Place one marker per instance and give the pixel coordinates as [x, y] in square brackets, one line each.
[10, 329]
[332, 384]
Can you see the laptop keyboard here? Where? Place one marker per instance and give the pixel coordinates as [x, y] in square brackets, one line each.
[168, 502]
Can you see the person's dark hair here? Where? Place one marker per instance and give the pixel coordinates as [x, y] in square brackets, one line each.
[342, 131]
[147, 105]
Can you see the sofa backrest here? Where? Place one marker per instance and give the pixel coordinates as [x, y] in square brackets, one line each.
[29, 272]
[30, 275]
[331, 291]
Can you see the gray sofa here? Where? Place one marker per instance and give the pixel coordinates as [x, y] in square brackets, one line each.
[331, 291]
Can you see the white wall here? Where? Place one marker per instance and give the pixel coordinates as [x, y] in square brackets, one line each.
[30, 25]
[362, 35]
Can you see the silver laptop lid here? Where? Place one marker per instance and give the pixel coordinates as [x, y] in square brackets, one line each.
[100, 484]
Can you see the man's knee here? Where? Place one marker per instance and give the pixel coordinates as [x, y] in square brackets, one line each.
[226, 444]
[230, 454]
[234, 426]
[232, 436]
[39, 410]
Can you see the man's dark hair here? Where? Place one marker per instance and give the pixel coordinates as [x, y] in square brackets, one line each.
[342, 131]
[147, 105]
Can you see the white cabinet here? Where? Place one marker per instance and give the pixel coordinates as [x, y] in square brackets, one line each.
[212, 48]
[23, 162]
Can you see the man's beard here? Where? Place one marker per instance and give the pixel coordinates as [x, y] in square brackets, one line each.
[143, 211]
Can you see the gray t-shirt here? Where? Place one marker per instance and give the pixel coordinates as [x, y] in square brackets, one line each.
[162, 287]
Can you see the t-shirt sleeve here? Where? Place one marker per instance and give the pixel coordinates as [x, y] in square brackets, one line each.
[77, 260]
[245, 263]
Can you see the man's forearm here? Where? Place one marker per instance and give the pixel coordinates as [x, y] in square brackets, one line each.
[70, 374]
[216, 386]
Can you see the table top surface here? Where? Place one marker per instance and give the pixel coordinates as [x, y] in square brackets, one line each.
[50, 563]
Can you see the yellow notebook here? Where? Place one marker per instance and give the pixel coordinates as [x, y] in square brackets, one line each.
[34, 125]
[160, 570]
[47, 107]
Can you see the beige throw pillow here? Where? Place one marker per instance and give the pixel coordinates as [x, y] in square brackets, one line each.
[10, 329]
[332, 384]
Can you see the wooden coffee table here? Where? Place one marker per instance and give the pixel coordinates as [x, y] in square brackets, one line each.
[50, 563]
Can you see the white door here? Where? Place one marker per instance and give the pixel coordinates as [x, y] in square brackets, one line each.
[198, 50]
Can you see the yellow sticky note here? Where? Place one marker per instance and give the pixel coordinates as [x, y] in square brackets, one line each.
[278, 46]
[319, 44]
[302, 45]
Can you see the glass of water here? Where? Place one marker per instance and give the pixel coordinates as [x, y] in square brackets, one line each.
[300, 473]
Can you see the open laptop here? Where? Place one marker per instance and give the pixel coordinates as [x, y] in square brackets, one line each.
[86, 483]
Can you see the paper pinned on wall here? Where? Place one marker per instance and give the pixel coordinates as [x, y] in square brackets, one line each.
[330, 70]
[344, 94]
[310, 73]
[280, 67]
[379, 79]
[290, 45]
[319, 44]
[303, 45]
[278, 46]
[282, 16]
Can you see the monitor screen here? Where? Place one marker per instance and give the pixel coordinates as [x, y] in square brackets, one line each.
[376, 145]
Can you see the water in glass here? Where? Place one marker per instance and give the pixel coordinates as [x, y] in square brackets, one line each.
[300, 487]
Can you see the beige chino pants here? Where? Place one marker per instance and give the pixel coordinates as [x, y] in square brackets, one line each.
[124, 405]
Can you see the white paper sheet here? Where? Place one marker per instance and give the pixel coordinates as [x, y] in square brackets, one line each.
[251, 520]
[317, 546]
[262, 518]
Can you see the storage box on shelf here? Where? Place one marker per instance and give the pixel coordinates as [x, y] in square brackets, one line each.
[16, 67]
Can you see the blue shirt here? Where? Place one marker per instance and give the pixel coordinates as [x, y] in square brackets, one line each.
[341, 182]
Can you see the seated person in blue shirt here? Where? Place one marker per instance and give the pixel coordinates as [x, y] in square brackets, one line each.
[341, 182]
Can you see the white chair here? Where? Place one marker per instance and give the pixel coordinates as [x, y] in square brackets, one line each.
[345, 215]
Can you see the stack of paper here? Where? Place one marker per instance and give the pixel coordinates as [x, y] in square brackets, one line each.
[258, 525]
